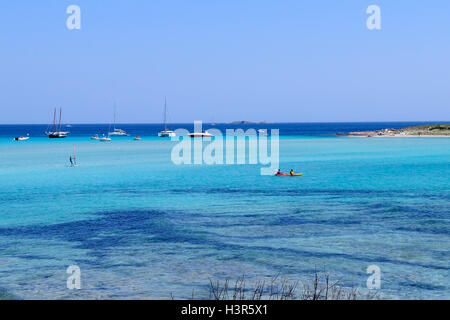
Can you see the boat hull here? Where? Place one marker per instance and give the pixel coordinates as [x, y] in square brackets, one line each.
[119, 134]
[200, 135]
[57, 136]
[166, 134]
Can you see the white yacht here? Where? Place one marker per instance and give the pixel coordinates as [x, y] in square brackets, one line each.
[204, 134]
[116, 131]
[21, 138]
[166, 133]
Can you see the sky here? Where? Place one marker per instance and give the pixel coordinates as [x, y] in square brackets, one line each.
[276, 61]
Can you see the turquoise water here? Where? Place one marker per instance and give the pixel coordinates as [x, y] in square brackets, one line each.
[139, 226]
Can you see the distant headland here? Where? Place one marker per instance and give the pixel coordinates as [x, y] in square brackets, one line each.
[247, 122]
[429, 130]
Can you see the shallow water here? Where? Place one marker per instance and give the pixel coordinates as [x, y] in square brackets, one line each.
[139, 226]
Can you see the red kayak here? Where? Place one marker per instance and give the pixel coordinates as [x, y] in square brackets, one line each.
[289, 175]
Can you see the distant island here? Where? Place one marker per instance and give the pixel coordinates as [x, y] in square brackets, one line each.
[429, 130]
[247, 122]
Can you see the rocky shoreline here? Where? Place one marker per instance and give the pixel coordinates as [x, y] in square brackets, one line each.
[434, 130]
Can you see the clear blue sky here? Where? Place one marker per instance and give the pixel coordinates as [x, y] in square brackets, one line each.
[289, 60]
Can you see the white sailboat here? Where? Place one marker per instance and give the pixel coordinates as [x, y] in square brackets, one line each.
[56, 130]
[116, 131]
[105, 138]
[166, 133]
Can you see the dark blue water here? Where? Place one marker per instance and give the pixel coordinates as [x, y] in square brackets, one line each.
[286, 129]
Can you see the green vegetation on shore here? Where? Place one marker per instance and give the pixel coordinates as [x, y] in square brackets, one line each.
[422, 130]
[427, 130]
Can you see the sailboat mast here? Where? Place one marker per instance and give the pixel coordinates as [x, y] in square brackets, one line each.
[114, 116]
[60, 111]
[165, 114]
[54, 120]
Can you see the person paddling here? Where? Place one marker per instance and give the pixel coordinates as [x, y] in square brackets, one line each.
[292, 172]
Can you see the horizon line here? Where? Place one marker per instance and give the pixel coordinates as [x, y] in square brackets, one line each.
[231, 122]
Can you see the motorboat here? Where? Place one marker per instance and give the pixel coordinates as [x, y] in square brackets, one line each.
[263, 132]
[21, 138]
[204, 134]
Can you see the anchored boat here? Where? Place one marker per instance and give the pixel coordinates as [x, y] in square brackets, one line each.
[116, 131]
[204, 134]
[21, 138]
[166, 133]
[56, 129]
[104, 138]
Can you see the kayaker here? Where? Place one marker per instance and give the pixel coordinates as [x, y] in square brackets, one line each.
[279, 172]
[292, 172]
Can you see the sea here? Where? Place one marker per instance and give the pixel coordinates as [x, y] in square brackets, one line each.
[139, 226]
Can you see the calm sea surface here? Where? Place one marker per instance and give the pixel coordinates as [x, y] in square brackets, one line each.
[140, 226]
